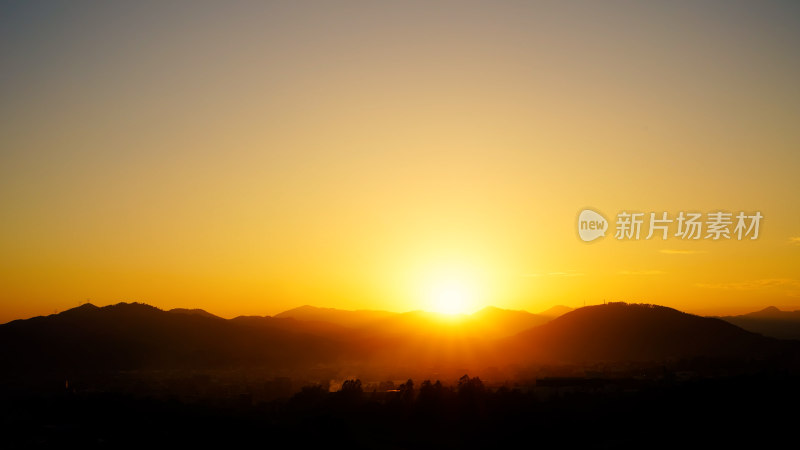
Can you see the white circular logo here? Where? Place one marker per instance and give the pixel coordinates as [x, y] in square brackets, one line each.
[591, 225]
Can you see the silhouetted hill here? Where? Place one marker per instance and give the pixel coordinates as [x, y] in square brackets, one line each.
[132, 336]
[492, 322]
[555, 311]
[770, 321]
[770, 312]
[195, 311]
[137, 336]
[635, 332]
[333, 315]
[315, 328]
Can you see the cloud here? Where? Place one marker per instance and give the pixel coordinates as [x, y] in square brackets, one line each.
[762, 283]
[794, 240]
[554, 274]
[670, 251]
[640, 272]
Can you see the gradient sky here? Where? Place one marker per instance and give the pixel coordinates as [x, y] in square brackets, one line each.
[250, 157]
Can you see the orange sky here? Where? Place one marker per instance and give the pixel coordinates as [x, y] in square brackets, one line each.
[247, 159]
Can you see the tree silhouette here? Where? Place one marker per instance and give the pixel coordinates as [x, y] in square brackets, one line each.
[472, 396]
[352, 387]
[470, 386]
[407, 391]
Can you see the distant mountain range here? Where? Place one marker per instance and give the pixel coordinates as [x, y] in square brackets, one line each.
[332, 315]
[490, 322]
[133, 336]
[555, 311]
[769, 321]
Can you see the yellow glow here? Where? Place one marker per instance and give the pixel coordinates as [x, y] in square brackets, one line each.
[452, 297]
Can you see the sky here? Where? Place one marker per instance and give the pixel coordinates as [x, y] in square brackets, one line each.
[251, 157]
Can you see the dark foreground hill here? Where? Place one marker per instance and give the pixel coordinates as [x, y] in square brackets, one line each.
[130, 336]
[637, 332]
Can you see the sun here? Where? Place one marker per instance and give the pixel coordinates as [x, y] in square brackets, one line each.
[451, 288]
[451, 297]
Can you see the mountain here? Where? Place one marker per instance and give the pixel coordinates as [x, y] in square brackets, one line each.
[769, 321]
[195, 312]
[555, 311]
[492, 322]
[772, 312]
[337, 316]
[489, 323]
[133, 336]
[634, 332]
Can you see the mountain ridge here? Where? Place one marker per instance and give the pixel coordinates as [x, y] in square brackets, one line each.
[769, 321]
[620, 331]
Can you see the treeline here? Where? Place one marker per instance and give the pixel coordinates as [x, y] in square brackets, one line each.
[743, 410]
[469, 395]
[468, 414]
